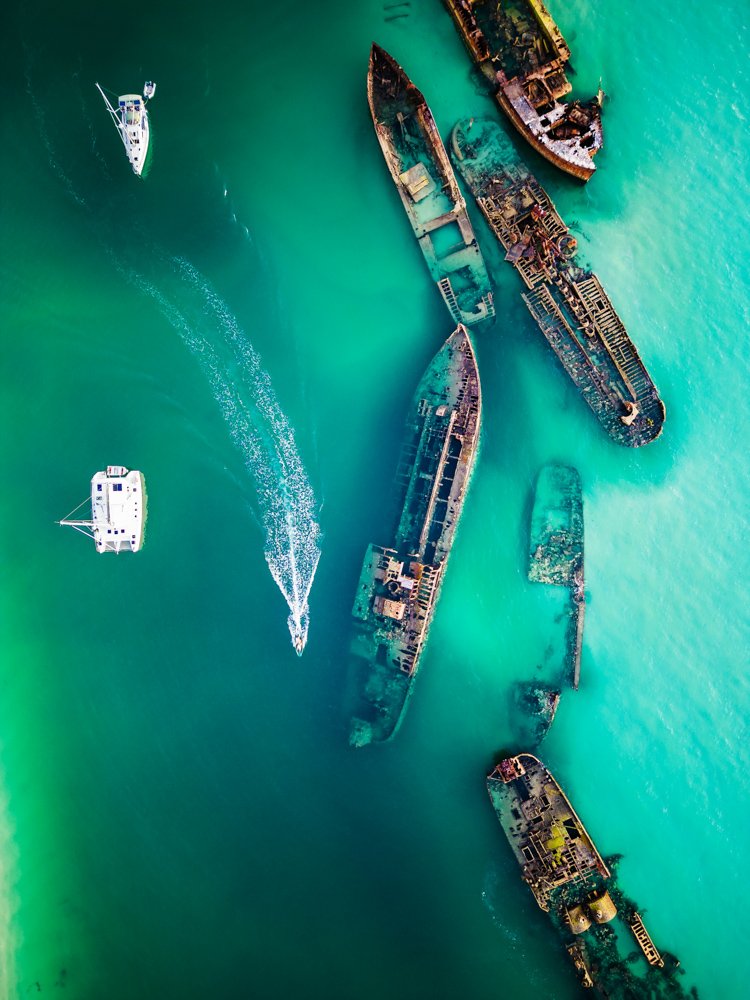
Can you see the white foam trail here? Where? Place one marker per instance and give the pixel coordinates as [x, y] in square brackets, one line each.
[261, 432]
[250, 408]
[8, 874]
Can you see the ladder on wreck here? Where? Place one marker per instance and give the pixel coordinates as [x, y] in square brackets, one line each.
[446, 290]
[595, 307]
[592, 383]
[643, 938]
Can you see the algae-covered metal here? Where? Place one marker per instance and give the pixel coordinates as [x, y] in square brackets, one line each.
[556, 536]
[399, 584]
[556, 550]
[548, 839]
[423, 175]
[567, 300]
[522, 53]
[573, 883]
[533, 705]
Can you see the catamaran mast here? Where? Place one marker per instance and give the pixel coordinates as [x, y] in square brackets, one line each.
[78, 525]
[81, 526]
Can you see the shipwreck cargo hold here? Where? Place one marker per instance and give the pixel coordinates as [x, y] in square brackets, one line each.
[400, 582]
[423, 175]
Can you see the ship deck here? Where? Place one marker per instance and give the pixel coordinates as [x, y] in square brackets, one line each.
[118, 511]
[424, 178]
[570, 880]
[399, 586]
[522, 53]
[135, 129]
[566, 300]
[548, 839]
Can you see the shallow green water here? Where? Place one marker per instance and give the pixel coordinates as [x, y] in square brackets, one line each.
[184, 818]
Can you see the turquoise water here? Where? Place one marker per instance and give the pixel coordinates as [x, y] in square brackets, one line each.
[182, 815]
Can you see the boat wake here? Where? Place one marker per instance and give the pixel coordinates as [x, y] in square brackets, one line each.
[259, 429]
[239, 383]
[8, 874]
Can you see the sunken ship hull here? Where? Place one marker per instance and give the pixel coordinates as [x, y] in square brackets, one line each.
[571, 882]
[533, 708]
[555, 558]
[400, 583]
[522, 53]
[556, 536]
[556, 552]
[534, 812]
[422, 173]
[566, 299]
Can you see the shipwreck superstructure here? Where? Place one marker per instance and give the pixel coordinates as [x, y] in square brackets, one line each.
[522, 53]
[400, 583]
[566, 299]
[549, 841]
[423, 175]
[571, 881]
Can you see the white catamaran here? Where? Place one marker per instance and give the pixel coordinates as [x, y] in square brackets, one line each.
[131, 121]
[118, 510]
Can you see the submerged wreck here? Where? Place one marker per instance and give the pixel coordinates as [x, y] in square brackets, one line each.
[423, 175]
[567, 301]
[555, 558]
[571, 881]
[556, 551]
[533, 709]
[399, 585]
[522, 53]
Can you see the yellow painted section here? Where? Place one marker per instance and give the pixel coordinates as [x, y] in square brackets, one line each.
[550, 30]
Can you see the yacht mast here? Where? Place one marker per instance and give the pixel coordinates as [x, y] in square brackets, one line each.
[117, 123]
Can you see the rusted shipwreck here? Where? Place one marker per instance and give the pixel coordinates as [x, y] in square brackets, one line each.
[534, 705]
[571, 882]
[522, 53]
[399, 584]
[424, 178]
[566, 299]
